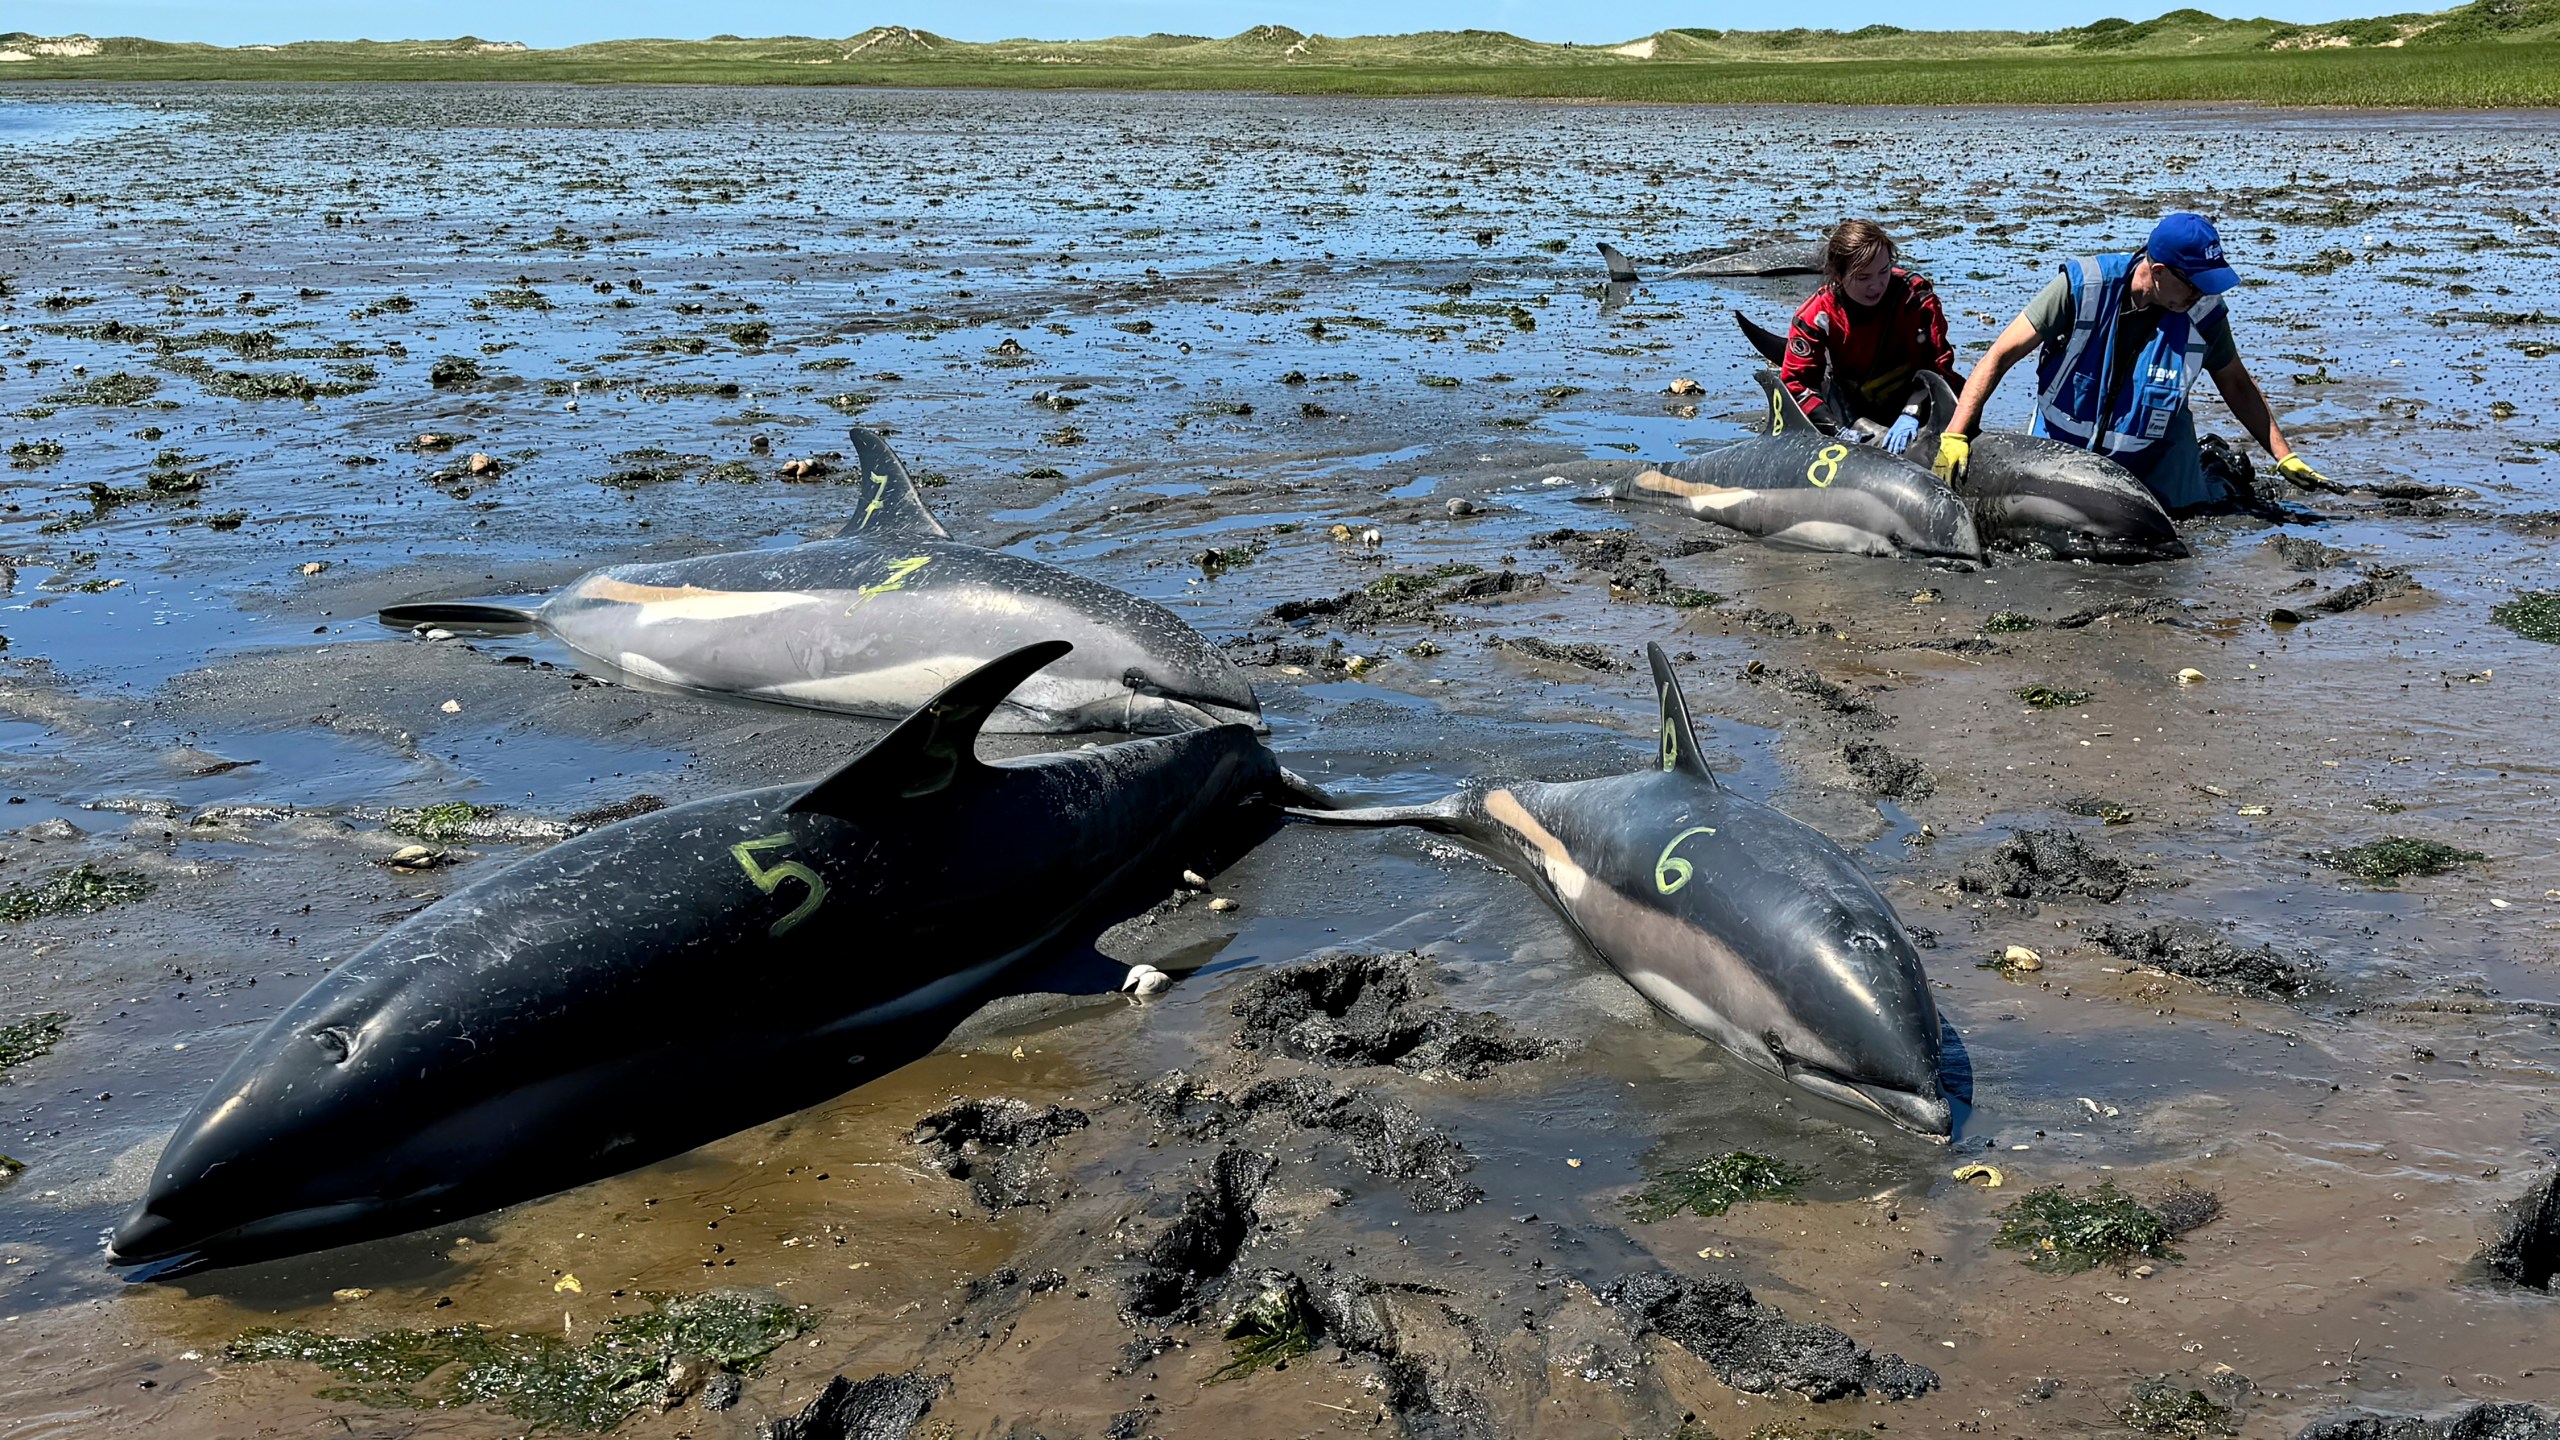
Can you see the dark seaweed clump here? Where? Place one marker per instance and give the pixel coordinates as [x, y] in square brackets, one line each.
[996, 1145]
[1275, 1325]
[1715, 1186]
[540, 1379]
[2008, 622]
[2098, 807]
[1752, 1347]
[82, 890]
[29, 1039]
[2535, 615]
[1371, 1010]
[2052, 697]
[1882, 772]
[2193, 952]
[1581, 653]
[2160, 1407]
[2065, 1234]
[2474, 1422]
[2387, 860]
[2046, 865]
[884, 1407]
[2526, 1249]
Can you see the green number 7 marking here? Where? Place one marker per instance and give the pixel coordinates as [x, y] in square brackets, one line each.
[768, 877]
[1669, 873]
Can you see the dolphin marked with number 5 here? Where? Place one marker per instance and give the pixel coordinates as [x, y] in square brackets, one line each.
[655, 984]
[879, 618]
[1798, 487]
[1744, 924]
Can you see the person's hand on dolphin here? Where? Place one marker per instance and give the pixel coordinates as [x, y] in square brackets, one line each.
[1953, 451]
[2299, 471]
[1898, 438]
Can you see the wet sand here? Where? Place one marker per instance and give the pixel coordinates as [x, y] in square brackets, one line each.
[1121, 332]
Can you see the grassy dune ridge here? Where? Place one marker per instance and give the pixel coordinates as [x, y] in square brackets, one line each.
[2489, 53]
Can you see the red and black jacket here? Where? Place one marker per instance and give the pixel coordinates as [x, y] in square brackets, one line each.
[1869, 355]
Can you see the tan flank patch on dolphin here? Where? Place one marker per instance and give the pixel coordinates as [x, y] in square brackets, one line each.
[1700, 495]
[660, 603]
[1563, 872]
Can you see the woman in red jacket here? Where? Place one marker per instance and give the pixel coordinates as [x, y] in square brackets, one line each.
[1858, 347]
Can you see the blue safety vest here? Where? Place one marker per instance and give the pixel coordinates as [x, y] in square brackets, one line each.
[2079, 398]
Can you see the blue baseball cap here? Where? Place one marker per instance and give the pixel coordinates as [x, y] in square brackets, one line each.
[2188, 244]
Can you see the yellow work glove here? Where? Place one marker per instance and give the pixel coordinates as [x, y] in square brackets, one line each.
[1953, 451]
[2299, 471]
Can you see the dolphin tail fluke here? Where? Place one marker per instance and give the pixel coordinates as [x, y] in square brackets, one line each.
[890, 502]
[933, 749]
[1786, 417]
[1621, 269]
[1679, 744]
[1772, 346]
[498, 613]
[1444, 814]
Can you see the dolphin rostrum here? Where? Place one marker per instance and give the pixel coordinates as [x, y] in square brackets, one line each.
[2035, 494]
[1747, 926]
[877, 619]
[655, 984]
[1799, 487]
[1783, 257]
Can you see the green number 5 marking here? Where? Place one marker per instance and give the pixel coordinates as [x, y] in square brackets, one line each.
[1670, 873]
[768, 877]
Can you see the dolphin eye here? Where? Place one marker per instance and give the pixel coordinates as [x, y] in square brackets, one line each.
[1867, 940]
[1137, 680]
[336, 1041]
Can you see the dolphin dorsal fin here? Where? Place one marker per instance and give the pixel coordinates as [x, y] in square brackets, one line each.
[1772, 347]
[1786, 417]
[1621, 270]
[890, 504]
[1942, 408]
[1679, 740]
[933, 749]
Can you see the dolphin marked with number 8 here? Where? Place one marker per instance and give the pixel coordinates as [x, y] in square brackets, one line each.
[652, 985]
[879, 618]
[1798, 487]
[1743, 924]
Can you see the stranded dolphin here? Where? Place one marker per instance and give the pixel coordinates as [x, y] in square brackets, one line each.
[1799, 487]
[876, 620]
[1783, 257]
[655, 984]
[2038, 495]
[1747, 926]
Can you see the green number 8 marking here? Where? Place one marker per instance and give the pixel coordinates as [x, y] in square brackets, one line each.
[1670, 744]
[1670, 873]
[768, 877]
[1826, 466]
[1777, 414]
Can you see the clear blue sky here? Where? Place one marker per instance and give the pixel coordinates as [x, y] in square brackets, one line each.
[551, 22]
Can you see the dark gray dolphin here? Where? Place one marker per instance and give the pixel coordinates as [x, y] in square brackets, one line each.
[1799, 487]
[2034, 494]
[879, 618]
[1744, 924]
[1782, 257]
[652, 985]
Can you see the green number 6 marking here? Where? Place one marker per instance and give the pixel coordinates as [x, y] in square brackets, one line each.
[1669, 873]
[768, 877]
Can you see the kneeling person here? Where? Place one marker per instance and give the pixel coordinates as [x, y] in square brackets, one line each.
[1864, 338]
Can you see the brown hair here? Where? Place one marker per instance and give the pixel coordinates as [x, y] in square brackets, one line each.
[1854, 243]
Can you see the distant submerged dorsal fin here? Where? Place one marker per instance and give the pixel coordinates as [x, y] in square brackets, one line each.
[1679, 741]
[889, 500]
[1621, 269]
[1786, 417]
[935, 748]
[1772, 347]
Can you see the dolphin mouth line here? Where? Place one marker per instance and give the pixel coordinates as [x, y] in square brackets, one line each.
[1927, 1115]
[1210, 714]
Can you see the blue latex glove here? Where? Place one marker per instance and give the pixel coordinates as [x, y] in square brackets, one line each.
[1898, 439]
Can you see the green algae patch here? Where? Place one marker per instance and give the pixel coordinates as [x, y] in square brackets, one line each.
[29, 1039]
[2008, 622]
[2160, 1407]
[1267, 1332]
[2052, 697]
[2065, 1234]
[2386, 861]
[82, 890]
[2535, 615]
[540, 1379]
[1716, 1186]
[441, 824]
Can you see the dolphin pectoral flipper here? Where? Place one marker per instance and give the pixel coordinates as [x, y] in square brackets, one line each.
[1444, 814]
[1772, 346]
[1621, 269]
[934, 749]
[509, 611]
[1679, 744]
[890, 501]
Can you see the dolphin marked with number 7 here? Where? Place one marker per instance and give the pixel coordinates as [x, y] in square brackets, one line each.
[655, 984]
[1744, 924]
[877, 619]
[1799, 488]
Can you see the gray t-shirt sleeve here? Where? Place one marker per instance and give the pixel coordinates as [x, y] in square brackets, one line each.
[2050, 311]
[2219, 348]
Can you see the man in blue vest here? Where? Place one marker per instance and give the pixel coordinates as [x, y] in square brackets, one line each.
[2123, 339]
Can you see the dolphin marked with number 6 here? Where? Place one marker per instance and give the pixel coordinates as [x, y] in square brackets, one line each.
[655, 984]
[1744, 924]
[879, 618]
[1798, 487]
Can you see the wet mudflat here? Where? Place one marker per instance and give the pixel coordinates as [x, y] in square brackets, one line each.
[276, 356]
